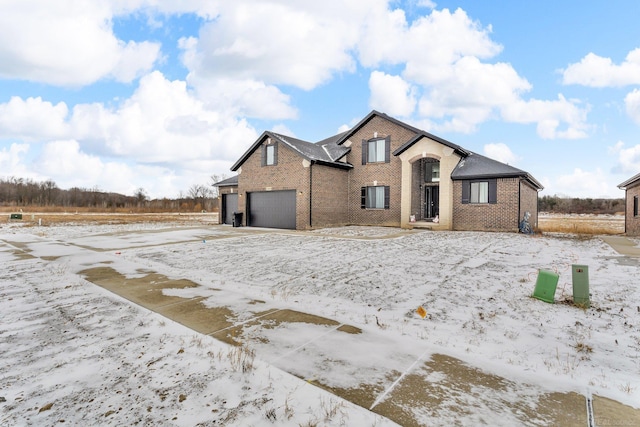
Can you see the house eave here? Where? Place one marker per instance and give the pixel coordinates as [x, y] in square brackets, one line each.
[630, 182]
[527, 177]
[338, 165]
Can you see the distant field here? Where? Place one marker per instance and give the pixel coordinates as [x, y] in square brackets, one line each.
[581, 224]
[47, 218]
[550, 223]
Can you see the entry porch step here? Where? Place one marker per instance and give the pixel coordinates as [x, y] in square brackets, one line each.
[428, 225]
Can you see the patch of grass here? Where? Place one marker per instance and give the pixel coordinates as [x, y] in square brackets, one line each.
[241, 358]
[288, 410]
[331, 408]
[563, 364]
[587, 225]
[627, 388]
[583, 348]
[270, 414]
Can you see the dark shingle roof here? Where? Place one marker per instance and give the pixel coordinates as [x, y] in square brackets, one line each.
[328, 151]
[629, 182]
[419, 134]
[475, 166]
[229, 182]
[324, 152]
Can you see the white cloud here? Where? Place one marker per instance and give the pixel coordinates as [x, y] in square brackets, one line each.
[628, 159]
[243, 57]
[583, 184]
[427, 3]
[162, 127]
[248, 98]
[278, 42]
[283, 130]
[444, 57]
[67, 43]
[549, 116]
[12, 161]
[597, 71]
[501, 152]
[391, 94]
[69, 166]
[32, 119]
[632, 105]
[162, 122]
[64, 158]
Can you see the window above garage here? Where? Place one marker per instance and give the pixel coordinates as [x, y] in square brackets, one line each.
[270, 154]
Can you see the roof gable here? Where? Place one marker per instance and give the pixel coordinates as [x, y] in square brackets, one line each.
[325, 152]
[419, 134]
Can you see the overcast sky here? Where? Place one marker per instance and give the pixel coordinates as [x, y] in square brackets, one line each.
[162, 94]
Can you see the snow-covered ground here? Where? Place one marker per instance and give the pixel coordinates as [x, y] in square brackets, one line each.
[72, 351]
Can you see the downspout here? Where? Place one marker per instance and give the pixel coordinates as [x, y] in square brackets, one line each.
[311, 195]
[520, 203]
[626, 207]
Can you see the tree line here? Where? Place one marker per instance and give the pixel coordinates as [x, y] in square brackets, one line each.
[21, 192]
[569, 205]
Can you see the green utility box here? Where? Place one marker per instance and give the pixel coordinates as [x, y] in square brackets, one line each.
[16, 216]
[580, 279]
[546, 286]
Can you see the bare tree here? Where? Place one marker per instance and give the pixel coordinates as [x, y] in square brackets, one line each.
[199, 193]
[140, 196]
[215, 178]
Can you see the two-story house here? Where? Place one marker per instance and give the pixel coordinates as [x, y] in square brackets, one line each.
[380, 172]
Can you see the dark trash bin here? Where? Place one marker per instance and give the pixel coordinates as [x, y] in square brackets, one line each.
[237, 219]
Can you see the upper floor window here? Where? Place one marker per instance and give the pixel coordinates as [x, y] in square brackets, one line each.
[431, 170]
[376, 150]
[270, 155]
[479, 191]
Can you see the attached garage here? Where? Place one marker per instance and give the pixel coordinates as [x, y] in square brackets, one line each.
[272, 209]
[229, 206]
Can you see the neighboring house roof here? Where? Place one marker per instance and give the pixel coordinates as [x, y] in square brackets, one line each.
[419, 134]
[229, 182]
[324, 152]
[633, 180]
[475, 166]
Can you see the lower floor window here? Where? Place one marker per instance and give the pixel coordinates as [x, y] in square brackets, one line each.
[376, 197]
[479, 192]
[635, 205]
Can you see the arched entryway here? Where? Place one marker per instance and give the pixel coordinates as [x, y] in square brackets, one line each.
[425, 197]
[431, 189]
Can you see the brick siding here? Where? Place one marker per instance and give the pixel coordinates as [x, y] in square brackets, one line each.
[330, 198]
[288, 174]
[528, 203]
[500, 216]
[632, 223]
[376, 173]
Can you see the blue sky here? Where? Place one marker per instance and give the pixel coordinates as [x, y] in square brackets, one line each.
[162, 94]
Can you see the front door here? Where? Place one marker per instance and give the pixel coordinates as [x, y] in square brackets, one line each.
[431, 199]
